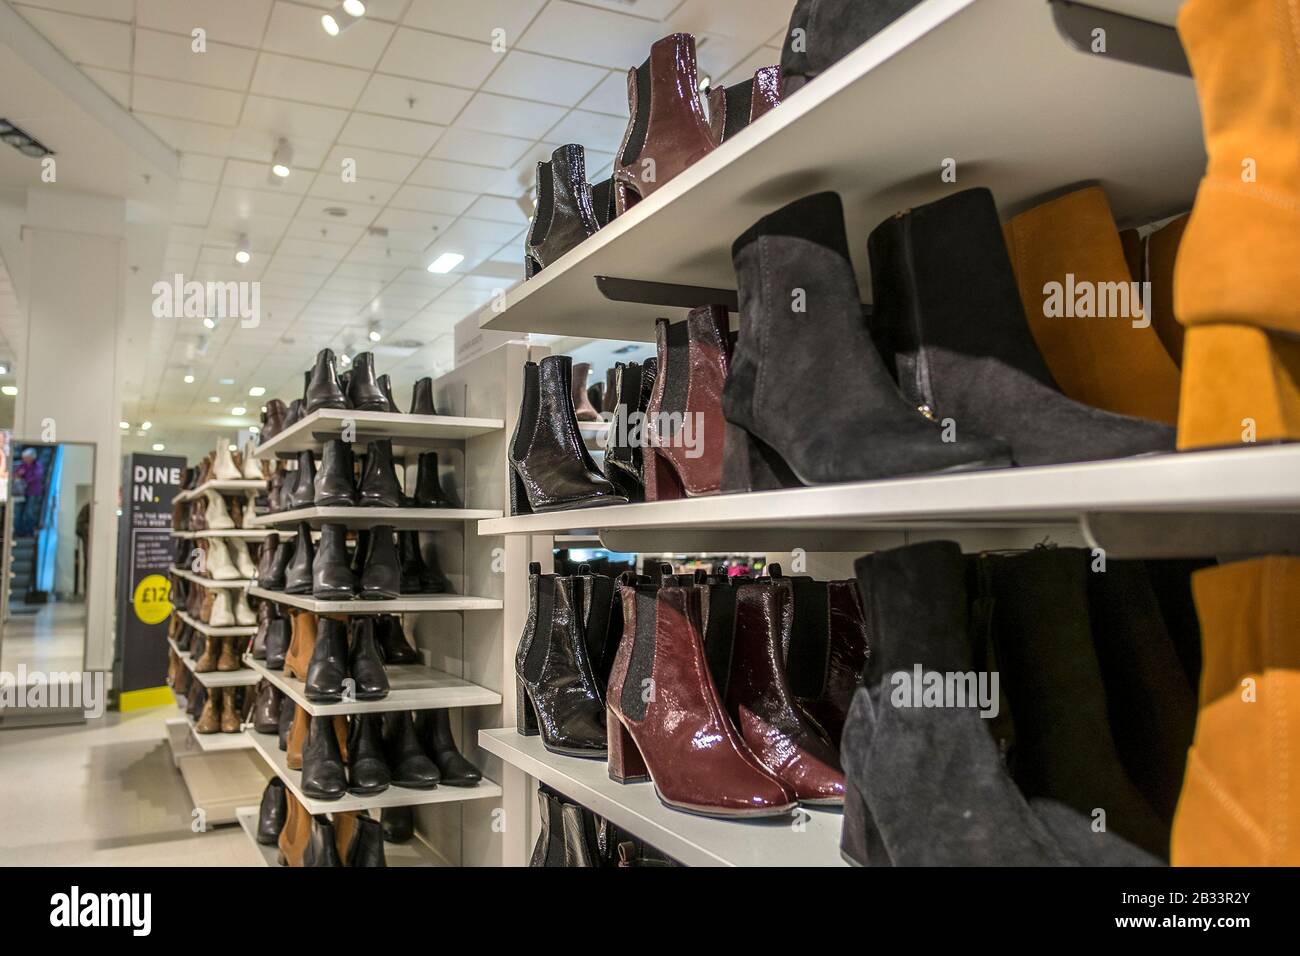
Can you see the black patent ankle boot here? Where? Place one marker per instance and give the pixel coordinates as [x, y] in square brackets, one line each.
[323, 389]
[298, 575]
[950, 324]
[365, 663]
[304, 483]
[422, 398]
[428, 486]
[386, 386]
[381, 577]
[558, 696]
[335, 486]
[434, 729]
[602, 621]
[566, 212]
[552, 467]
[323, 777]
[549, 850]
[332, 578]
[379, 485]
[367, 769]
[624, 460]
[412, 563]
[393, 645]
[407, 762]
[788, 435]
[364, 393]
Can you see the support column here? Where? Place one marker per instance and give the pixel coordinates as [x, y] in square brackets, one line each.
[69, 383]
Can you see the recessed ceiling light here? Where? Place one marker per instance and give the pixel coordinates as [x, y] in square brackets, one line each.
[254, 429]
[214, 399]
[9, 389]
[445, 263]
[257, 391]
[209, 323]
[4, 368]
[343, 17]
[239, 410]
[189, 378]
[124, 424]
[226, 381]
[146, 425]
[158, 446]
[282, 161]
[233, 447]
[243, 251]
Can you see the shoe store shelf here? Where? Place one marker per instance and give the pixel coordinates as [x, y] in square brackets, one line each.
[215, 743]
[802, 838]
[268, 745]
[210, 582]
[400, 518]
[411, 687]
[227, 487]
[413, 853]
[417, 432]
[414, 604]
[244, 677]
[1234, 501]
[225, 533]
[946, 81]
[210, 631]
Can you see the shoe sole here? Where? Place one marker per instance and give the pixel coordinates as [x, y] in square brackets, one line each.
[574, 752]
[726, 814]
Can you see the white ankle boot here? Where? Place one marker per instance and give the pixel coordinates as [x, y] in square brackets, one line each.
[223, 465]
[244, 615]
[250, 511]
[252, 466]
[217, 515]
[243, 560]
[221, 613]
[220, 567]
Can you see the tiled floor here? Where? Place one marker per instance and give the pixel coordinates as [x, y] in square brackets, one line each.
[104, 793]
[53, 639]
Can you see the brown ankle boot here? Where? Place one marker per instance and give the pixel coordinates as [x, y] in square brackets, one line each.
[228, 660]
[229, 713]
[296, 832]
[209, 721]
[301, 645]
[211, 653]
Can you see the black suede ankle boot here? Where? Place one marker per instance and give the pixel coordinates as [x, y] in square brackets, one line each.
[297, 576]
[822, 32]
[381, 577]
[379, 485]
[364, 393]
[323, 389]
[949, 321]
[804, 329]
[335, 486]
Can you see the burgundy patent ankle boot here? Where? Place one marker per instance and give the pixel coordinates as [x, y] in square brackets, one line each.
[732, 108]
[684, 427]
[665, 720]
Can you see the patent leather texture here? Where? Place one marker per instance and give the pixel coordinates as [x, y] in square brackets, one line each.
[271, 812]
[552, 467]
[828, 651]
[681, 737]
[429, 492]
[422, 398]
[583, 410]
[379, 485]
[297, 576]
[381, 577]
[364, 393]
[327, 668]
[602, 621]
[365, 664]
[789, 743]
[323, 777]
[668, 130]
[566, 211]
[434, 730]
[684, 427]
[332, 578]
[558, 694]
[733, 108]
[549, 849]
[303, 494]
[323, 389]
[632, 387]
[335, 486]
[367, 771]
[407, 762]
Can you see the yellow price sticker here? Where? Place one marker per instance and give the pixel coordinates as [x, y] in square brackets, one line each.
[153, 599]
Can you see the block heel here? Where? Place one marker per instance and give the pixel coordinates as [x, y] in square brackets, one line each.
[626, 765]
[525, 715]
[1241, 384]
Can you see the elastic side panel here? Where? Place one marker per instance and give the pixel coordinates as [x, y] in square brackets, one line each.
[808, 656]
[740, 99]
[641, 665]
[598, 598]
[545, 202]
[527, 412]
[720, 635]
[678, 371]
[540, 647]
[641, 122]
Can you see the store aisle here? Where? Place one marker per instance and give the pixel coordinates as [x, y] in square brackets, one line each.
[103, 794]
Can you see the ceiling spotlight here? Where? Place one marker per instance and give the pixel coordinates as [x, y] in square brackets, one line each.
[4, 368]
[257, 391]
[124, 425]
[282, 161]
[189, 378]
[146, 425]
[158, 446]
[209, 322]
[345, 358]
[374, 334]
[243, 251]
[445, 263]
[214, 399]
[25, 143]
[9, 389]
[254, 429]
[343, 17]
[233, 447]
[239, 410]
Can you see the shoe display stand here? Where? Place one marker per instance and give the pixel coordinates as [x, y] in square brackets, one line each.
[252, 533]
[244, 677]
[413, 853]
[459, 634]
[230, 486]
[200, 580]
[210, 631]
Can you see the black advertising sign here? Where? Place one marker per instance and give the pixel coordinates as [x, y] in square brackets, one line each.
[144, 554]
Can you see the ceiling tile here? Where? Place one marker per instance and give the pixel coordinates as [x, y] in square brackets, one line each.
[172, 57]
[609, 97]
[282, 118]
[232, 21]
[594, 131]
[403, 240]
[258, 146]
[474, 19]
[650, 9]
[345, 234]
[401, 136]
[371, 164]
[84, 40]
[247, 203]
[297, 30]
[439, 59]
[490, 113]
[485, 149]
[189, 137]
[424, 199]
[544, 78]
[115, 84]
[568, 30]
[314, 209]
[108, 9]
[240, 172]
[370, 191]
[460, 176]
[203, 169]
[187, 101]
[410, 99]
[310, 82]
[498, 210]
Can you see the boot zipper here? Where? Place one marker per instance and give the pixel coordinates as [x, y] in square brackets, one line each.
[920, 370]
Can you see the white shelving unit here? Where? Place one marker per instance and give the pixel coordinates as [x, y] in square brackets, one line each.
[413, 604]
[184, 738]
[206, 582]
[209, 631]
[244, 677]
[411, 687]
[233, 486]
[414, 853]
[251, 533]
[407, 432]
[268, 746]
[806, 837]
[403, 519]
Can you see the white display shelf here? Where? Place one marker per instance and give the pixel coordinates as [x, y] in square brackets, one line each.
[210, 631]
[219, 783]
[413, 604]
[413, 853]
[227, 487]
[417, 432]
[225, 533]
[990, 84]
[803, 838]
[244, 677]
[210, 582]
[268, 746]
[1237, 497]
[400, 518]
[411, 687]
[210, 743]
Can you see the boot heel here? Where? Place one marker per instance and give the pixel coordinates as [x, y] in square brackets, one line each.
[518, 496]
[860, 841]
[626, 764]
[749, 465]
[525, 716]
[661, 481]
[1234, 375]
[531, 267]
